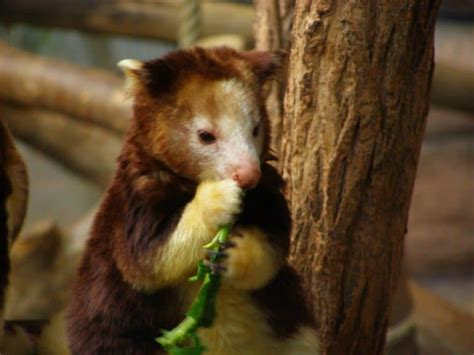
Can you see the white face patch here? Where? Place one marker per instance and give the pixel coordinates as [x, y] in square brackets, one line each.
[234, 125]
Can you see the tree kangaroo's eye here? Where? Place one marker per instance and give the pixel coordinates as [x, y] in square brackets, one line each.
[206, 137]
[256, 130]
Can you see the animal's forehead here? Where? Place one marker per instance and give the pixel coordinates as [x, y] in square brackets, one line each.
[218, 100]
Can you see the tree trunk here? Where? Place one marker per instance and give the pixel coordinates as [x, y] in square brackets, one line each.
[274, 20]
[355, 112]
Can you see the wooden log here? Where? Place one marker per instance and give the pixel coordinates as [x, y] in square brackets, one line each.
[457, 9]
[233, 41]
[85, 148]
[14, 187]
[444, 328]
[89, 94]
[39, 288]
[13, 203]
[32, 293]
[149, 18]
[440, 235]
[453, 87]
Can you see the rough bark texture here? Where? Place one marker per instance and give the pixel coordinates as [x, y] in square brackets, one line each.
[355, 112]
[274, 20]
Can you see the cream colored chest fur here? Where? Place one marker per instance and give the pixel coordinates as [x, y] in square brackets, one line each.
[240, 328]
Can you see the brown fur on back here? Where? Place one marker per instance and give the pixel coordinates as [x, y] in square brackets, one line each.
[139, 210]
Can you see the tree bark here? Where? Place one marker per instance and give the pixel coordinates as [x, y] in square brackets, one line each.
[90, 94]
[149, 18]
[272, 28]
[355, 112]
[83, 147]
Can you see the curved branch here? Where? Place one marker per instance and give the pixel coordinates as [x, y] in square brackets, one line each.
[85, 148]
[89, 94]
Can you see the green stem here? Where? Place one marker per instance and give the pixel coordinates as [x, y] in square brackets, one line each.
[175, 336]
[202, 310]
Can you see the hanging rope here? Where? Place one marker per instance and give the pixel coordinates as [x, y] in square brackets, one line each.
[189, 30]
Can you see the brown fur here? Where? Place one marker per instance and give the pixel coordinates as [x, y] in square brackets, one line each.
[180, 82]
[116, 306]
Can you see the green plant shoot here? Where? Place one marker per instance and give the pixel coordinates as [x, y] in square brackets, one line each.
[183, 339]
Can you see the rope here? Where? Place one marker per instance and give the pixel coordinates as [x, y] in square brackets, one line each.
[190, 27]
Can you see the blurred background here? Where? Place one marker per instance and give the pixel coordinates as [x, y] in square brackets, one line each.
[60, 93]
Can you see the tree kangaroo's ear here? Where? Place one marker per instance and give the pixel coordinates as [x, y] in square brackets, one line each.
[134, 75]
[265, 65]
[154, 77]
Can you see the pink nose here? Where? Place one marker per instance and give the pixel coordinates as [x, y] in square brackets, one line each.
[247, 175]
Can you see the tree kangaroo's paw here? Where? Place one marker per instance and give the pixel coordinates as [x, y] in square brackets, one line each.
[249, 262]
[218, 201]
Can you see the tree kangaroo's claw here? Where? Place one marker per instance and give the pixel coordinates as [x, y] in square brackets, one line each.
[216, 254]
[215, 267]
[226, 245]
